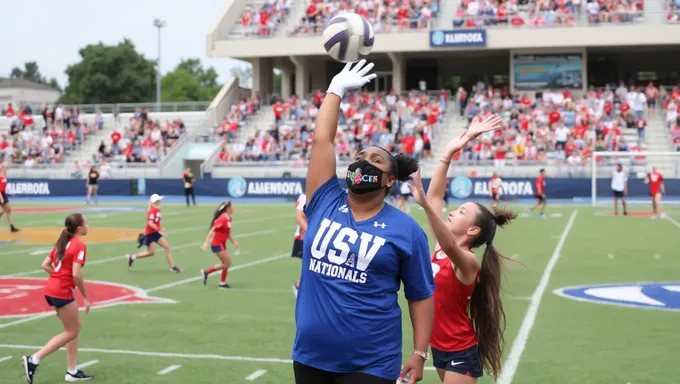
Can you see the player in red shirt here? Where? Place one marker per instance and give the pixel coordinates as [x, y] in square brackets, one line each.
[469, 319]
[300, 232]
[540, 194]
[495, 185]
[153, 234]
[65, 265]
[4, 200]
[656, 190]
[220, 232]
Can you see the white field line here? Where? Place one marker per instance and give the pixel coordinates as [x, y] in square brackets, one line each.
[114, 258]
[114, 301]
[168, 369]
[87, 364]
[512, 362]
[5, 358]
[169, 354]
[256, 374]
[673, 221]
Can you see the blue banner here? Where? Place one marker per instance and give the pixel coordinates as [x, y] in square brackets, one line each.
[548, 71]
[238, 187]
[458, 38]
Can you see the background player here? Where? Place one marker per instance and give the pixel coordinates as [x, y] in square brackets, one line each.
[4, 200]
[656, 190]
[92, 184]
[404, 197]
[467, 334]
[220, 232]
[445, 208]
[300, 232]
[153, 235]
[189, 180]
[540, 194]
[619, 189]
[64, 264]
[495, 185]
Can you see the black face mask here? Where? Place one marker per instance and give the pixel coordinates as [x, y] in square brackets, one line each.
[363, 177]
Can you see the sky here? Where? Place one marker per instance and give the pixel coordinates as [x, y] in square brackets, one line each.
[51, 32]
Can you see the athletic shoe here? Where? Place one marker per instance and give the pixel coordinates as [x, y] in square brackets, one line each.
[295, 291]
[175, 269]
[29, 368]
[79, 376]
[529, 212]
[12, 228]
[225, 285]
[204, 276]
[130, 261]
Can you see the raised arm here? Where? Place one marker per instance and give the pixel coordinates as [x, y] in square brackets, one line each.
[322, 157]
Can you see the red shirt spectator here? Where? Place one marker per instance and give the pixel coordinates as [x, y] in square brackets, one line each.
[115, 137]
[278, 110]
[408, 143]
[555, 117]
[10, 111]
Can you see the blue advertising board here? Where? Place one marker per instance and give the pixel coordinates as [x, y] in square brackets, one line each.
[548, 71]
[237, 187]
[458, 38]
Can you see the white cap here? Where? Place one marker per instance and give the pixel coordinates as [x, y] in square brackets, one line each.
[155, 198]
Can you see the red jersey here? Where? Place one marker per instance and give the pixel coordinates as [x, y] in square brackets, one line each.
[222, 230]
[452, 328]
[655, 181]
[153, 215]
[3, 184]
[540, 185]
[61, 283]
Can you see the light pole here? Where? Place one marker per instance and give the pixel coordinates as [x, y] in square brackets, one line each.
[158, 23]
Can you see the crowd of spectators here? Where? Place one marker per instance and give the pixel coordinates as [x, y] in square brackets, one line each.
[673, 11]
[554, 127]
[143, 140]
[385, 15]
[35, 140]
[671, 106]
[263, 21]
[398, 123]
[539, 13]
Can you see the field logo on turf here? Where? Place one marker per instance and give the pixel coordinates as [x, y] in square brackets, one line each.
[236, 187]
[663, 296]
[48, 235]
[461, 187]
[23, 296]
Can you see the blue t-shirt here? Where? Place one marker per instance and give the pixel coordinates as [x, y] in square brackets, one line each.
[347, 314]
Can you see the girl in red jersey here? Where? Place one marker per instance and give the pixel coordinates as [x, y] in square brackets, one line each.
[495, 185]
[64, 264]
[467, 333]
[220, 232]
[656, 190]
[540, 194]
[4, 200]
[153, 234]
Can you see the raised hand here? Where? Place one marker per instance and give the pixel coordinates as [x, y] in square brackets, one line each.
[417, 189]
[475, 129]
[350, 78]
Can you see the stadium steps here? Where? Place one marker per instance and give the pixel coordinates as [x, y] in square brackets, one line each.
[659, 140]
[289, 23]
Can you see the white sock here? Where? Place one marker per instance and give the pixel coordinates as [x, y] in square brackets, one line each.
[35, 359]
[132, 257]
[73, 371]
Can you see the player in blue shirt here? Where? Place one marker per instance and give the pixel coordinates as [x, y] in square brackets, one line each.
[357, 252]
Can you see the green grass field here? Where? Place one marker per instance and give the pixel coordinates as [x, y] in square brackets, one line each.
[245, 334]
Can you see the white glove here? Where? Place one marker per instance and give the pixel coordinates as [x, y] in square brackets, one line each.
[351, 79]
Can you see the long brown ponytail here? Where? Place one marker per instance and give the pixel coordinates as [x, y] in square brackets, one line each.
[486, 306]
[71, 225]
[219, 211]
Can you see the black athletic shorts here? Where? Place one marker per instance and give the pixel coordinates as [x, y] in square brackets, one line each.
[618, 194]
[305, 374]
[4, 198]
[465, 362]
[540, 198]
[297, 248]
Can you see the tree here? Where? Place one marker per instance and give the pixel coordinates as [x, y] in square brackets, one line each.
[244, 75]
[190, 81]
[32, 72]
[110, 74]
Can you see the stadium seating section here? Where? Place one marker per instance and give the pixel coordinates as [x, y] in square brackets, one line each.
[263, 19]
[367, 119]
[31, 141]
[671, 107]
[673, 11]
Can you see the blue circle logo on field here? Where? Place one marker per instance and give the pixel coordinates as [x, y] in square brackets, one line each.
[437, 38]
[236, 187]
[663, 296]
[461, 187]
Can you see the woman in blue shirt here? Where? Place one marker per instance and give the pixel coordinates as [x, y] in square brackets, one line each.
[357, 252]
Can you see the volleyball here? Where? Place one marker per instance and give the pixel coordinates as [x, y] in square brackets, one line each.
[348, 37]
